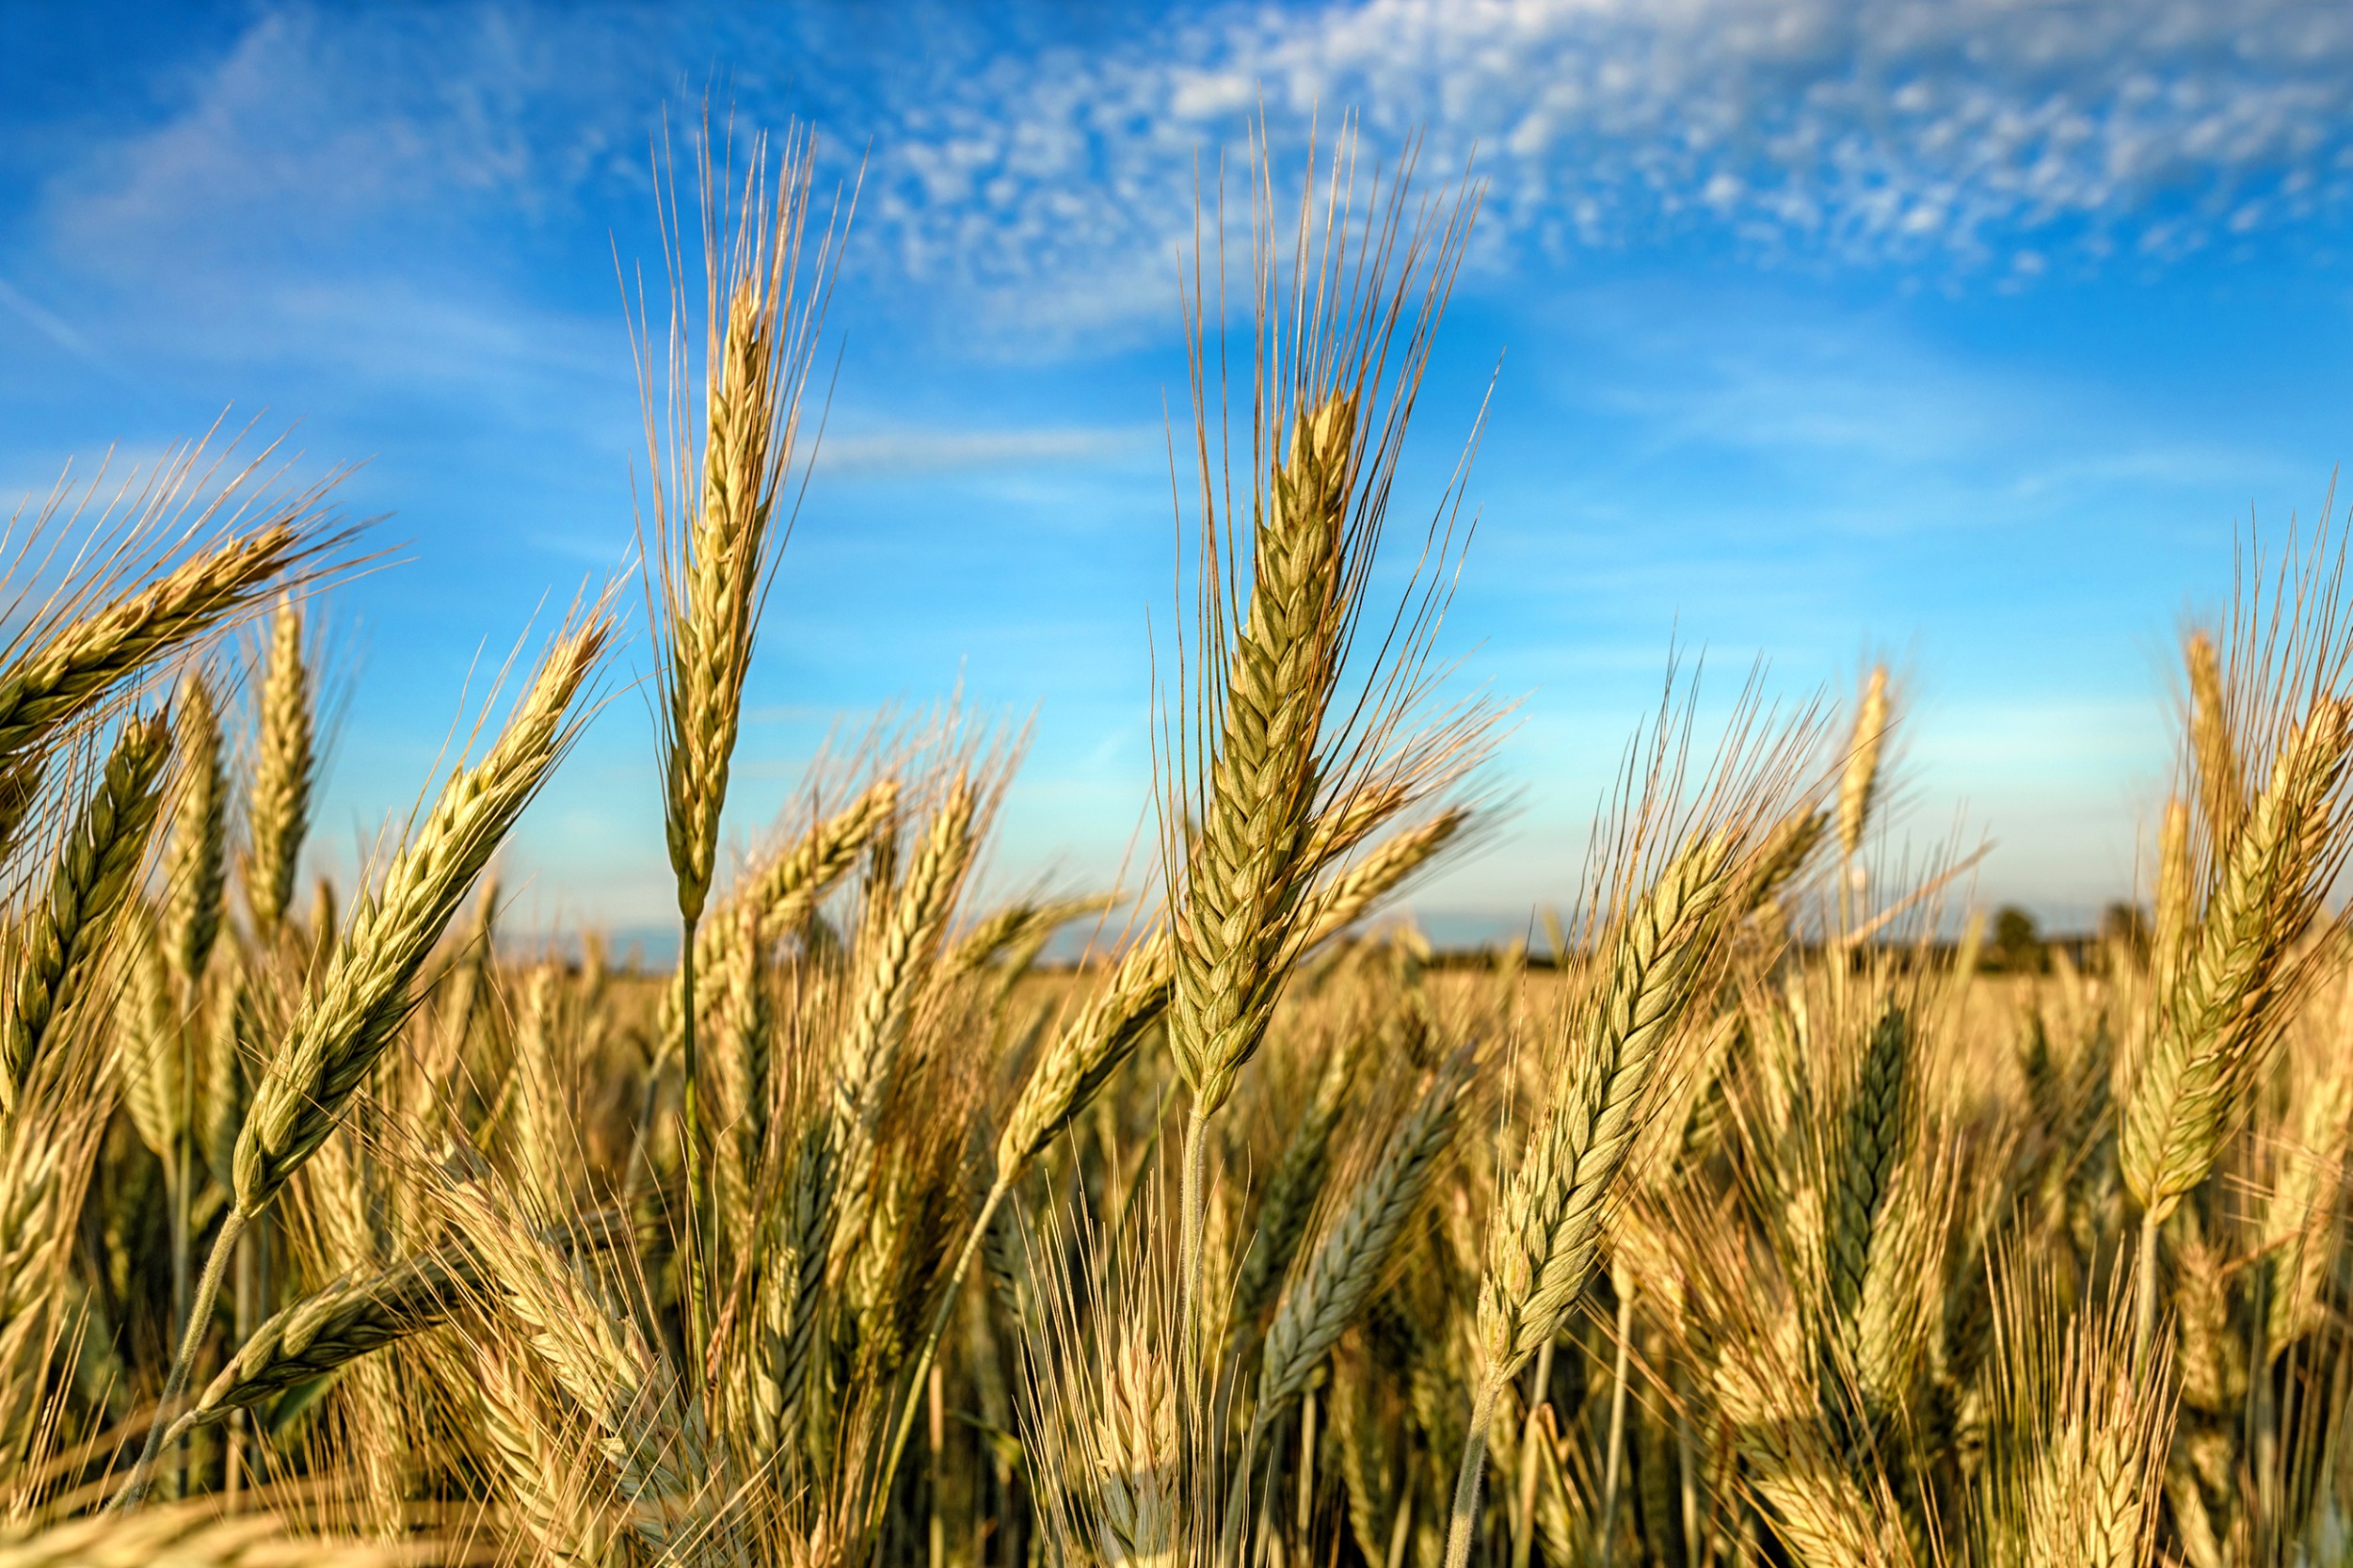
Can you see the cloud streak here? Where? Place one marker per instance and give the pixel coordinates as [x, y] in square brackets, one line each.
[890, 454]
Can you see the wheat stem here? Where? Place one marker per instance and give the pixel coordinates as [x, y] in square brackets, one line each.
[1463, 1520]
[192, 1340]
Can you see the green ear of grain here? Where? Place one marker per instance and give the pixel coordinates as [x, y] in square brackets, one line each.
[195, 862]
[1247, 871]
[65, 935]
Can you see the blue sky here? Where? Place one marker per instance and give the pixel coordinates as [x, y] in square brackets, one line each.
[1970, 330]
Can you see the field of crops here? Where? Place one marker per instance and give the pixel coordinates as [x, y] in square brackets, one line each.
[1748, 1218]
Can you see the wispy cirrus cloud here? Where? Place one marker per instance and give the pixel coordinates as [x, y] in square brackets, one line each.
[1960, 137]
[1049, 173]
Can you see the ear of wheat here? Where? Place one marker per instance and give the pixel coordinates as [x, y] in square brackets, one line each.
[716, 534]
[1349, 1260]
[1269, 744]
[93, 873]
[2220, 1004]
[1546, 1237]
[278, 807]
[2212, 748]
[345, 1024]
[197, 860]
[66, 673]
[1248, 870]
[1859, 784]
[348, 1021]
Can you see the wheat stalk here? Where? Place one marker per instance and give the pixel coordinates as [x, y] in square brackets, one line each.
[646, 1430]
[740, 1036]
[2298, 1220]
[1319, 1305]
[1248, 866]
[538, 1094]
[1862, 1167]
[787, 887]
[893, 966]
[346, 1022]
[2176, 891]
[714, 548]
[349, 1317]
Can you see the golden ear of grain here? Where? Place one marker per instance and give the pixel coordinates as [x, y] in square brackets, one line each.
[278, 803]
[1773, 1402]
[1137, 1451]
[741, 1035]
[788, 1299]
[349, 1019]
[2221, 1005]
[790, 885]
[663, 1470]
[1020, 929]
[718, 506]
[2176, 889]
[904, 947]
[2299, 1231]
[532, 1446]
[1859, 784]
[1352, 894]
[2212, 748]
[63, 938]
[45, 1160]
[540, 1096]
[1086, 1051]
[196, 860]
[2075, 1480]
[1783, 856]
[66, 674]
[1546, 1238]
[710, 616]
[148, 1055]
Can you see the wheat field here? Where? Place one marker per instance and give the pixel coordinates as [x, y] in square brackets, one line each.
[1746, 1219]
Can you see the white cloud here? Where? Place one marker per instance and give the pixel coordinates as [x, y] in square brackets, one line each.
[1053, 184]
[888, 452]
